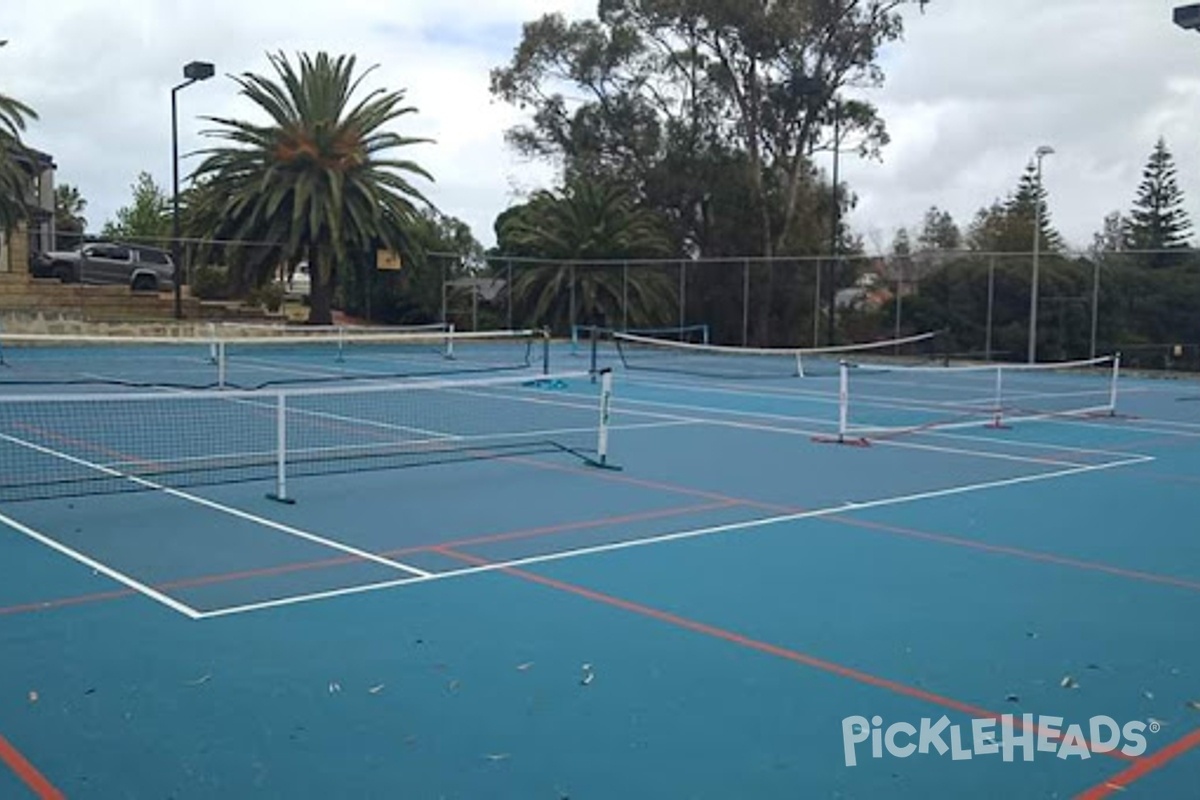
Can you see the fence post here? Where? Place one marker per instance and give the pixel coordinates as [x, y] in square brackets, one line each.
[509, 285]
[991, 302]
[683, 295]
[445, 299]
[1095, 305]
[745, 302]
[625, 295]
[816, 340]
[571, 310]
[899, 306]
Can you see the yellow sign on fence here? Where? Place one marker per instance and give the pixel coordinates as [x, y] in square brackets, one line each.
[387, 260]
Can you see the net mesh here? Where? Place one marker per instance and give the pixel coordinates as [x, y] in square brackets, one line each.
[717, 361]
[881, 400]
[100, 443]
[266, 358]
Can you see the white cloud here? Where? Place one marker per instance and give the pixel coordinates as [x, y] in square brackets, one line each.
[973, 89]
[976, 87]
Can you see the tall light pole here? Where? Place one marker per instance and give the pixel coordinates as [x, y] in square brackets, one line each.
[194, 71]
[1188, 17]
[1041, 153]
[835, 228]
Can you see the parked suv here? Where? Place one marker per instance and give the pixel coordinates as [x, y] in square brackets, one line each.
[139, 267]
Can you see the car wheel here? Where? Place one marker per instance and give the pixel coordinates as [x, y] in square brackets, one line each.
[144, 283]
[65, 273]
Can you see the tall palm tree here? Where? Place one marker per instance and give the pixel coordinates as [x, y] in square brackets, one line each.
[588, 221]
[15, 161]
[319, 178]
[69, 221]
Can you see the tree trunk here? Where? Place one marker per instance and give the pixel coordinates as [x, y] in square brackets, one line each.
[320, 293]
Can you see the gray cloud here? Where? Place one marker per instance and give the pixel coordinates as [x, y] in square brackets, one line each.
[976, 87]
[971, 92]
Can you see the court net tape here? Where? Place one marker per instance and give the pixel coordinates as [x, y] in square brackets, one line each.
[638, 352]
[249, 358]
[877, 401]
[100, 443]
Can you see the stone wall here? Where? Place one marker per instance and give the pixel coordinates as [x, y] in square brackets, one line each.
[35, 303]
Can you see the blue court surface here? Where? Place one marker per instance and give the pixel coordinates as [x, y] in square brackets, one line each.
[463, 599]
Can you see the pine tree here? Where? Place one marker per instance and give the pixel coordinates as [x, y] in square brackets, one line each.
[1158, 220]
[1022, 212]
[1007, 226]
[938, 231]
[1111, 238]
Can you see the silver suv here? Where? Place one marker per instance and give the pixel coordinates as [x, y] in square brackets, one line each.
[141, 268]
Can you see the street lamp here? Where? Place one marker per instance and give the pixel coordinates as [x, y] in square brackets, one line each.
[194, 71]
[1188, 17]
[835, 230]
[1041, 153]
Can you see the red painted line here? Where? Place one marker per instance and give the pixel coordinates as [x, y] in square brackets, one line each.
[629, 480]
[63, 602]
[283, 569]
[27, 772]
[723, 634]
[89, 445]
[1143, 767]
[1030, 555]
[1190, 480]
[529, 533]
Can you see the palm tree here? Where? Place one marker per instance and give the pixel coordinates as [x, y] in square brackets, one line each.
[15, 161]
[69, 221]
[588, 221]
[319, 178]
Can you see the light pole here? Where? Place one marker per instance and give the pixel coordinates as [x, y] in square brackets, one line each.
[1188, 17]
[1041, 153]
[194, 71]
[835, 228]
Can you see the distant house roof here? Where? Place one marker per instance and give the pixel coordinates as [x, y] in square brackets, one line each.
[28, 155]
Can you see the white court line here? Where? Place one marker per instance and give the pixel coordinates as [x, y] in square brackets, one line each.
[672, 537]
[797, 431]
[220, 507]
[102, 568]
[827, 398]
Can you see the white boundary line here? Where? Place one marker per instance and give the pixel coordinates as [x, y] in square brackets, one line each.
[102, 568]
[670, 537]
[219, 507]
[799, 431]
[829, 397]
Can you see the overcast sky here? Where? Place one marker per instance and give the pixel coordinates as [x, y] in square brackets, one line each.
[975, 87]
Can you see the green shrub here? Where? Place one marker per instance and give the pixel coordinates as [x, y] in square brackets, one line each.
[269, 297]
[211, 283]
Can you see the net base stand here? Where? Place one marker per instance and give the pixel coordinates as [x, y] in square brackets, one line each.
[842, 439]
[602, 463]
[279, 498]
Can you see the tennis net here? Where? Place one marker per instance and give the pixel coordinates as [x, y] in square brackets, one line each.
[878, 401]
[592, 334]
[99, 443]
[720, 361]
[266, 358]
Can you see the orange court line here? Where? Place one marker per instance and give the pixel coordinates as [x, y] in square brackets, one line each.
[27, 772]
